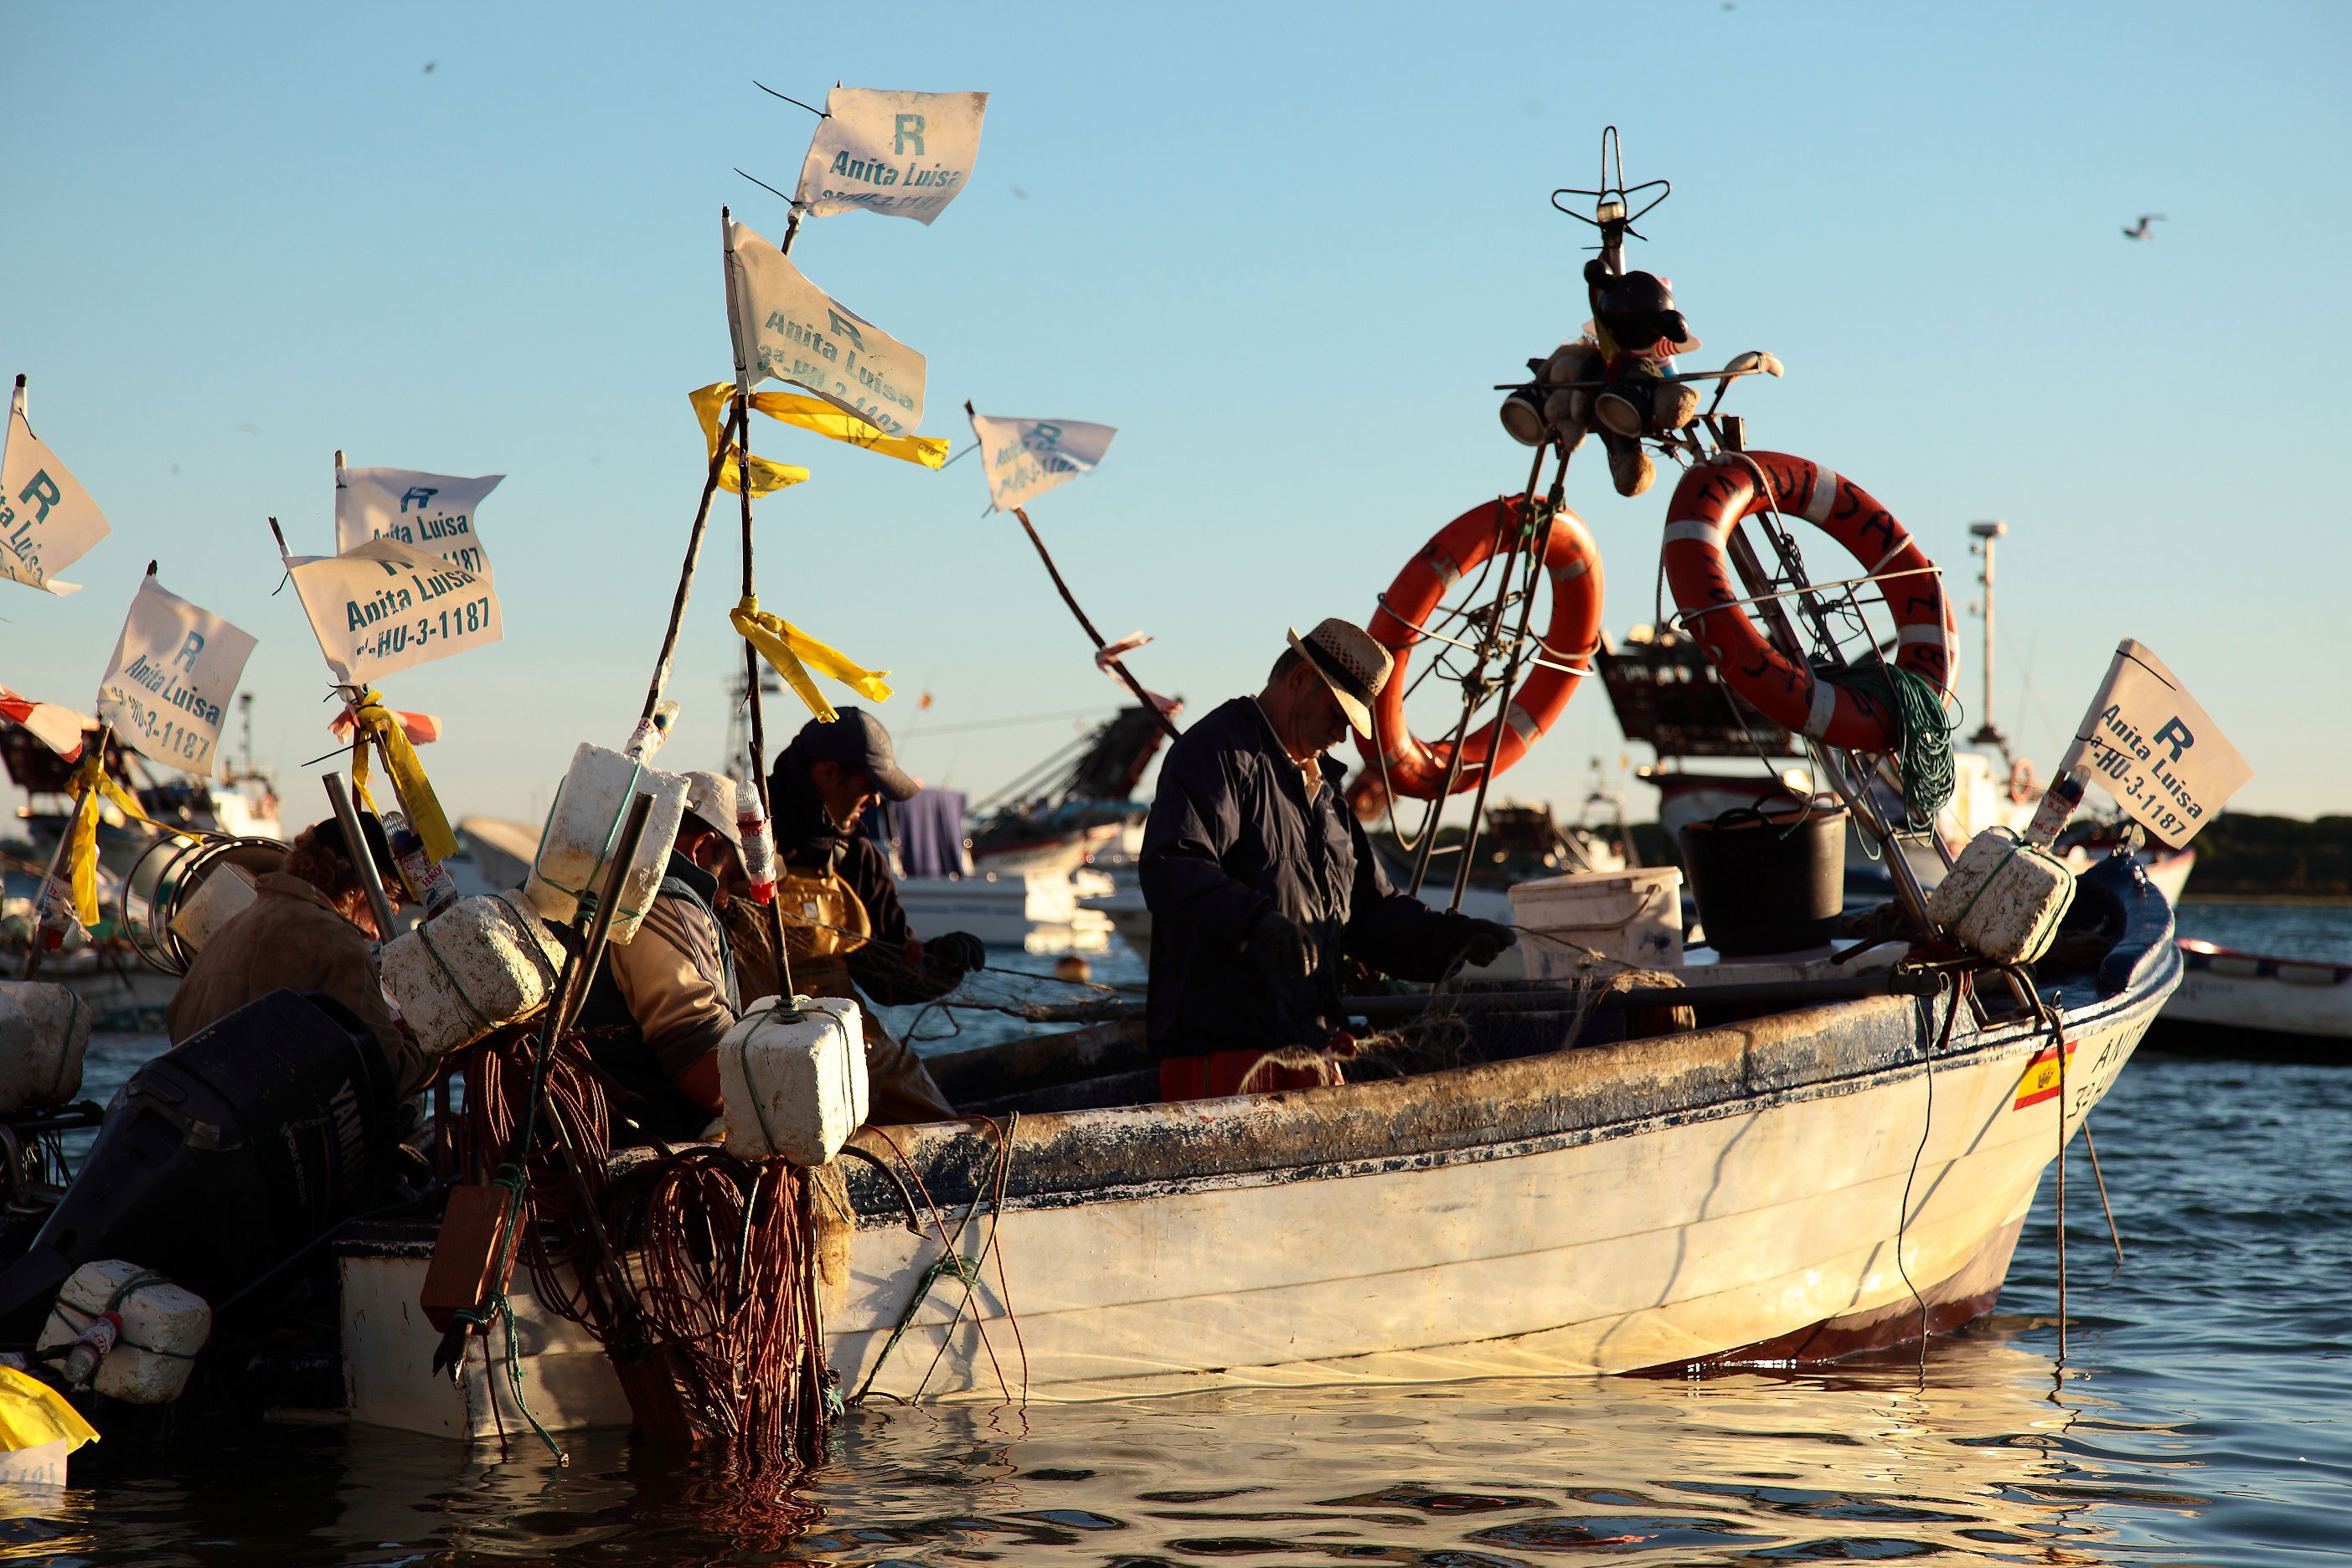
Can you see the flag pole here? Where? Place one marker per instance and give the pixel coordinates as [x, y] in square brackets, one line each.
[758, 757]
[694, 538]
[1117, 666]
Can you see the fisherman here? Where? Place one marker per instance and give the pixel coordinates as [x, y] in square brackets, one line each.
[308, 929]
[844, 921]
[662, 1001]
[1261, 882]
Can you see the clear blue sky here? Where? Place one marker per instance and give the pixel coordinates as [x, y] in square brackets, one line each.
[1285, 249]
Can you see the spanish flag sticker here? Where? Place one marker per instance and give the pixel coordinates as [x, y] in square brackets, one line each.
[2040, 1079]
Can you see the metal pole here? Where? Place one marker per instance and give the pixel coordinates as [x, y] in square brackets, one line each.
[355, 840]
[1988, 733]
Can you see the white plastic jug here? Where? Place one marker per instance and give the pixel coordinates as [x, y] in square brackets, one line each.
[2003, 898]
[585, 825]
[794, 1080]
[482, 961]
[44, 1029]
[163, 1327]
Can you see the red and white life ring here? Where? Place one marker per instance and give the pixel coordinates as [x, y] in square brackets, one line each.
[1710, 501]
[1414, 766]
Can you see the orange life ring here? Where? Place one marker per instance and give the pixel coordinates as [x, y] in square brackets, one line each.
[1415, 767]
[1710, 501]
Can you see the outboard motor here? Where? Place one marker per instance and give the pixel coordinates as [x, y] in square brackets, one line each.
[224, 1154]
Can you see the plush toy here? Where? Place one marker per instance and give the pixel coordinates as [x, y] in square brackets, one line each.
[1612, 378]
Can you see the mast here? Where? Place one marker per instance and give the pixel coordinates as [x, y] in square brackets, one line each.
[1988, 733]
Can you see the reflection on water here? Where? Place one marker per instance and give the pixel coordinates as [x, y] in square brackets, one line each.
[1968, 1454]
[2274, 930]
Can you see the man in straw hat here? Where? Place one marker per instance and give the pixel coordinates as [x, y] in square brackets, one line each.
[1261, 882]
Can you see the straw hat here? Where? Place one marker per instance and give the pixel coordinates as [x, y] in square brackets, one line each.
[1351, 664]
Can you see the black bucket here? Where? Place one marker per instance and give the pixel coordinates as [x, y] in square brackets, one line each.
[1768, 879]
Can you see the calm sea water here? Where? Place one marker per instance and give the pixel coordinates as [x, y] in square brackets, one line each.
[2203, 1414]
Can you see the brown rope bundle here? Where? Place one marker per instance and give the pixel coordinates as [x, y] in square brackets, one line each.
[720, 1259]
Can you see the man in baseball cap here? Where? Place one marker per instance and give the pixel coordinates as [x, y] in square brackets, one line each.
[844, 924]
[1262, 884]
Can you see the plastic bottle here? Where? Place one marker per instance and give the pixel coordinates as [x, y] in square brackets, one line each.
[651, 732]
[427, 882]
[58, 918]
[758, 844]
[2058, 802]
[89, 1347]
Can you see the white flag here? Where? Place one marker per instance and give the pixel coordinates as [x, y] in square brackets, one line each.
[2147, 743]
[1027, 458]
[434, 512]
[48, 521]
[902, 154]
[787, 327]
[175, 668]
[390, 605]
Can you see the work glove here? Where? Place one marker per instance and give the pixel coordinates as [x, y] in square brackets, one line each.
[1483, 941]
[957, 950]
[1283, 942]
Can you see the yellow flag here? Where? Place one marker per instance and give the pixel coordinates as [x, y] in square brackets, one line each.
[710, 407]
[788, 649]
[815, 413]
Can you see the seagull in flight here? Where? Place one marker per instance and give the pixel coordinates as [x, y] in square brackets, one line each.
[2140, 229]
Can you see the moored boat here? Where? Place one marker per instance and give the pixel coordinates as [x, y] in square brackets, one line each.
[2234, 1002]
[1791, 1186]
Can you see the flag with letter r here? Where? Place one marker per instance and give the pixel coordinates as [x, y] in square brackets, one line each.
[2149, 744]
[902, 154]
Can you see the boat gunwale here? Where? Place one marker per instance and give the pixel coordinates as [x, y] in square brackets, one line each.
[1263, 1133]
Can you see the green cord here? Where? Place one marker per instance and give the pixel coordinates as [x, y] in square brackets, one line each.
[1923, 736]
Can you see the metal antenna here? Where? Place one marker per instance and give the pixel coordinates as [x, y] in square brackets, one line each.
[1988, 733]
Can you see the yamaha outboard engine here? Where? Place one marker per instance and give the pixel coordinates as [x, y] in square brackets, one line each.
[225, 1154]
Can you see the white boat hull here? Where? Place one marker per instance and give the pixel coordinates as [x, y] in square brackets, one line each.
[1752, 1192]
[2220, 988]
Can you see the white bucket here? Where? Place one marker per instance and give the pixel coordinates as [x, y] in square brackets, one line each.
[793, 1081]
[482, 961]
[163, 1327]
[2003, 898]
[222, 896]
[585, 824]
[1600, 922]
[44, 1029]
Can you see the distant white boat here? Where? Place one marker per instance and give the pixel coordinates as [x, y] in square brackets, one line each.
[2221, 988]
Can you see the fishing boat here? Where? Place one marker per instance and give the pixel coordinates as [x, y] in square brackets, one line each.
[2244, 1003]
[1787, 1182]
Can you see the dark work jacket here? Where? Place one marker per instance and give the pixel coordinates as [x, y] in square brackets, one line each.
[1232, 834]
[807, 841]
[681, 940]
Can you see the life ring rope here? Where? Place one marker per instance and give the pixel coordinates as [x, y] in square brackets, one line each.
[1711, 500]
[1551, 662]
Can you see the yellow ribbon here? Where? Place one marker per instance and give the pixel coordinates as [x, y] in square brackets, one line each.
[376, 722]
[82, 853]
[709, 405]
[788, 649]
[815, 413]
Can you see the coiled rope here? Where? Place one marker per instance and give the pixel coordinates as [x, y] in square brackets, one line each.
[1923, 735]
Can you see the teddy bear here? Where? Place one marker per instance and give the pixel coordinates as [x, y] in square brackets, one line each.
[1628, 349]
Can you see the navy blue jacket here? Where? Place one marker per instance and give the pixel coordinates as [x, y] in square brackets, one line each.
[1231, 833]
